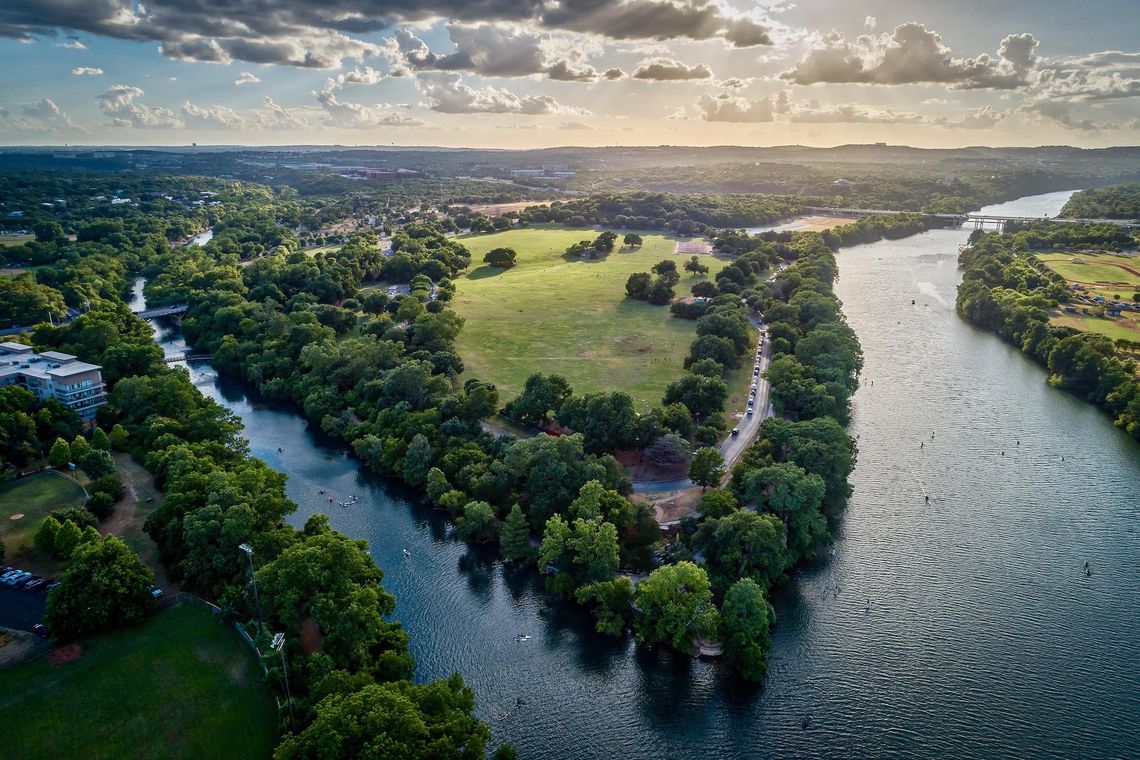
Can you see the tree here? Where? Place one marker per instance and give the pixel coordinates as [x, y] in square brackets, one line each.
[541, 395]
[404, 720]
[66, 539]
[46, 533]
[704, 396]
[418, 460]
[60, 454]
[661, 291]
[668, 451]
[746, 619]
[585, 551]
[612, 602]
[695, 266]
[119, 437]
[514, 539]
[97, 463]
[638, 285]
[675, 606]
[104, 587]
[795, 496]
[79, 449]
[667, 268]
[503, 258]
[100, 440]
[477, 523]
[743, 544]
[633, 240]
[707, 467]
[718, 503]
[48, 231]
[607, 421]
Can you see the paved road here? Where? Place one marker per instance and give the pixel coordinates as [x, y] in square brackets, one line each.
[19, 609]
[734, 445]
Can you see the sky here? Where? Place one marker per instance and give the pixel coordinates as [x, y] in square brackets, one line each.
[537, 73]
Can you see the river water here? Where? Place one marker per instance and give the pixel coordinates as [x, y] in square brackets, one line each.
[984, 637]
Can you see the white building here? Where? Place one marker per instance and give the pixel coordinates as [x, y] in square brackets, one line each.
[77, 385]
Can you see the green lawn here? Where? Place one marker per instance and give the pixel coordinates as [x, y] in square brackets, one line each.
[548, 315]
[34, 497]
[183, 685]
[1123, 328]
[1103, 274]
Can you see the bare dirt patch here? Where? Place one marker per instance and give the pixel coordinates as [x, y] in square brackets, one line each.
[65, 654]
[312, 640]
[496, 209]
[670, 506]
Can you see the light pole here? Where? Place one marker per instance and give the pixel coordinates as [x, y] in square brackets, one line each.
[279, 646]
[253, 579]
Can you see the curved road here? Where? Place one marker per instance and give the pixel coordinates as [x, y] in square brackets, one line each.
[734, 445]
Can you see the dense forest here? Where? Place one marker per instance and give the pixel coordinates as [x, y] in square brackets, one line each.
[1005, 290]
[1111, 202]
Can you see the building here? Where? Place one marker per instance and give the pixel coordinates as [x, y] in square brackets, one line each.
[77, 385]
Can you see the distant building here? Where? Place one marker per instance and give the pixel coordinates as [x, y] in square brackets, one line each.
[77, 385]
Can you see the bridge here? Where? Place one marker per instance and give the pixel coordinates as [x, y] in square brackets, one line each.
[176, 310]
[979, 221]
[187, 357]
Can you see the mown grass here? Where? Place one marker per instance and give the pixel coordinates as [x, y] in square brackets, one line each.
[182, 685]
[1104, 274]
[34, 497]
[551, 315]
[1124, 328]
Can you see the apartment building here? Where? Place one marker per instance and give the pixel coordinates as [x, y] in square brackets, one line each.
[77, 385]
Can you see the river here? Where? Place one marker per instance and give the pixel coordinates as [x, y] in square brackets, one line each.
[985, 638]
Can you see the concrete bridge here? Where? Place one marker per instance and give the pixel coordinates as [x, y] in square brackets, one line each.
[979, 221]
[176, 310]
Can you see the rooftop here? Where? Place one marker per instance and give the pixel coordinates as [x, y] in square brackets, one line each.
[16, 358]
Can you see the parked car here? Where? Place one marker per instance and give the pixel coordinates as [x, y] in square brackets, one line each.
[41, 630]
[749, 411]
[23, 582]
[9, 573]
[34, 583]
[11, 580]
[156, 592]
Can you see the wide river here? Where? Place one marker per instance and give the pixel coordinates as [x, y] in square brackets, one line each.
[984, 638]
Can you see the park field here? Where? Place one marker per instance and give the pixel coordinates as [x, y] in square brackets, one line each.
[1126, 327]
[552, 315]
[34, 497]
[182, 685]
[1103, 274]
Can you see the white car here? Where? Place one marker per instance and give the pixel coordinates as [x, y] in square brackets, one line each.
[749, 411]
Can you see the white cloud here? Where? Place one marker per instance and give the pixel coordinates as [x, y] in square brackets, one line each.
[447, 94]
[246, 78]
[90, 71]
[357, 115]
[670, 70]
[71, 44]
[118, 102]
[913, 54]
[366, 75]
[41, 116]
[726, 107]
[212, 117]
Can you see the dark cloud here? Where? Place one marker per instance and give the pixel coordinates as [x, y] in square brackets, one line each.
[321, 34]
[914, 54]
[669, 70]
[492, 50]
[612, 74]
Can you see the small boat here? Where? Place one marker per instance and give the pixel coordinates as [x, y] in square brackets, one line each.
[407, 553]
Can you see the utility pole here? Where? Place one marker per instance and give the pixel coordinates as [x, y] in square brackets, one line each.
[279, 646]
[253, 579]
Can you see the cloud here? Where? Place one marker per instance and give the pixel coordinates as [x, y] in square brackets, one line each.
[366, 75]
[71, 45]
[246, 78]
[729, 108]
[323, 35]
[90, 71]
[359, 116]
[1110, 58]
[213, 117]
[275, 116]
[849, 113]
[613, 73]
[42, 116]
[118, 102]
[574, 125]
[448, 94]
[670, 70]
[735, 83]
[494, 50]
[1059, 113]
[913, 54]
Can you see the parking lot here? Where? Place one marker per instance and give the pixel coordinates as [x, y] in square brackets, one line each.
[20, 609]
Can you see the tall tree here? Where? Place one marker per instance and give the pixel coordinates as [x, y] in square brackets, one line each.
[105, 586]
[707, 467]
[675, 606]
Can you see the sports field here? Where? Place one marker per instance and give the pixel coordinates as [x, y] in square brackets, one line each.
[34, 498]
[1103, 274]
[182, 685]
[548, 314]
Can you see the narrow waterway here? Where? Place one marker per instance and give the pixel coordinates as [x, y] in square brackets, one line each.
[984, 639]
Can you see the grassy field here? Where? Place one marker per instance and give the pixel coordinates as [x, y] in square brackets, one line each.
[1104, 274]
[183, 685]
[34, 497]
[548, 314]
[1126, 327]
